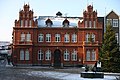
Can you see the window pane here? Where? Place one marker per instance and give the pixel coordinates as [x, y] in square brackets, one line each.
[66, 37]
[26, 55]
[41, 38]
[22, 37]
[21, 55]
[88, 55]
[28, 37]
[40, 55]
[48, 37]
[93, 55]
[74, 38]
[26, 23]
[85, 24]
[21, 23]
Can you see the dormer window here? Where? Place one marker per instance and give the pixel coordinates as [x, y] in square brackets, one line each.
[49, 23]
[65, 23]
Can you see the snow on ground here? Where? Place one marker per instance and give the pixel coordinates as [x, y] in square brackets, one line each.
[65, 76]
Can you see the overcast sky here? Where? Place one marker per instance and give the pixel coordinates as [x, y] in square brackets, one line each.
[9, 10]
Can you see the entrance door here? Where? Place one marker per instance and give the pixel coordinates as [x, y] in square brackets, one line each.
[57, 58]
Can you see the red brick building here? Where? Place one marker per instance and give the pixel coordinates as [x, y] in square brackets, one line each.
[56, 40]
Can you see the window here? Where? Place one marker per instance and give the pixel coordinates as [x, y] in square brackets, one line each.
[49, 24]
[87, 37]
[30, 23]
[94, 24]
[74, 55]
[74, 38]
[88, 55]
[66, 38]
[48, 37]
[21, 54]
[22, 37]
[21, 23]
[93, 38]
[85, 24]
[57, 37]
[27, 54]
[40, 55]
[90, 24]
[93, 55]
[66, 55]
[115, 22]
[116, 35]
[109, 21]
[26, 23]
[48, 55]
[66, 25]
[28, 37]
[40, 38]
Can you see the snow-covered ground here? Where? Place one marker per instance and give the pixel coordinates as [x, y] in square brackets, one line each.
[66, 76]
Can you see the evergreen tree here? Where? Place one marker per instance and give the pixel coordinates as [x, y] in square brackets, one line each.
[109, 53]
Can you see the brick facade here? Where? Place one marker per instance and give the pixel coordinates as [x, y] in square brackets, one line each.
[81, 49]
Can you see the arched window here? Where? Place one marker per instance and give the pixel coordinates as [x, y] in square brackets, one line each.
[87, 37]
[87, 55]
[93, 37]
[27, 54]
[93, 55]
[48, 55]
[40, 55]
[26, 23]
[65, 23]
[49, 23]
[74, 38]
[74, 55]
[66, 38]
[21, 23]
[21, 54]
[66, 55]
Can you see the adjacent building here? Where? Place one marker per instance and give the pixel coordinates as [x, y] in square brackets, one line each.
[56, 40]
[113, 19]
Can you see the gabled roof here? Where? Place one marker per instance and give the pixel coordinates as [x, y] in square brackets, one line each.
[112, 12]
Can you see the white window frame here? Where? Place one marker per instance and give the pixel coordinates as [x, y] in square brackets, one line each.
[21, 54]
[86, 24]
[40, 55]
[115, 22]
[26, 23]
[22, 37]
[57, 38]
[93, 55]
[48, 37]
[48, 55]
[21, 23]
[90, 24]
[87, 37]
[109, 20]
[28, 37]
[93, 37]
[66, 38]
[74, 38]
[27, 55]
[88, 55]
[41, 37]
[66, 55]
[74, 55]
